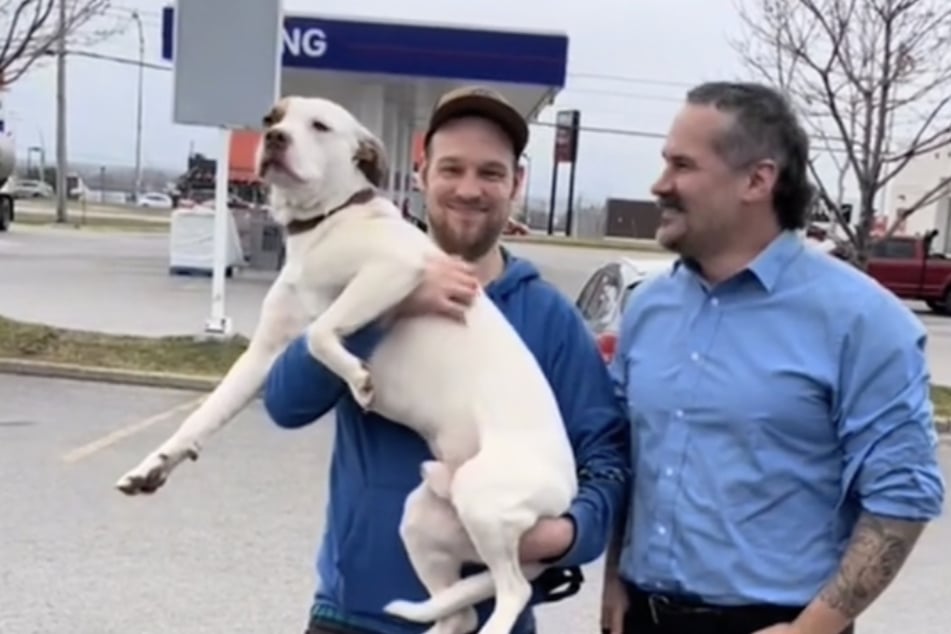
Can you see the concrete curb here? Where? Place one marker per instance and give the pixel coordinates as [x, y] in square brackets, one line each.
[47, 369]
[92, 223]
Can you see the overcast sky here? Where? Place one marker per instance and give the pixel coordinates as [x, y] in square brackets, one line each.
[659, 47]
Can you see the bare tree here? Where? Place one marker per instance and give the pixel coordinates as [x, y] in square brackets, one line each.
[31, 29]
[872, 79]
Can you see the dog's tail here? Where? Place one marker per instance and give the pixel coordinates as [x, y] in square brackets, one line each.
[462, 594]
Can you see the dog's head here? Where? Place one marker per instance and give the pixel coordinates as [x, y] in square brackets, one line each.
[315, 154]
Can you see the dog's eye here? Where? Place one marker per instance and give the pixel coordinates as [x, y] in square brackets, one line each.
[319, 126]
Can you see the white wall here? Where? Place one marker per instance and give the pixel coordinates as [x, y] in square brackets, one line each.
[921, 174]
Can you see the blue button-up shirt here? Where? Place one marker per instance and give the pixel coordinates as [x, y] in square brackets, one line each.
[768, 411]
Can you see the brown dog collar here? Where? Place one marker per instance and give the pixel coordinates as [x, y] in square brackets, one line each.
[295, 227]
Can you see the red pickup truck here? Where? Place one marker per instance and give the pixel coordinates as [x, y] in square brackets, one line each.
[907, 267]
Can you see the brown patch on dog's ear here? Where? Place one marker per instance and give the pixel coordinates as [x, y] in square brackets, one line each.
[276, 114]
[370, 159]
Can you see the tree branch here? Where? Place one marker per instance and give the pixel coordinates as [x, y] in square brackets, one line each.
[864, 73]
[32, 31]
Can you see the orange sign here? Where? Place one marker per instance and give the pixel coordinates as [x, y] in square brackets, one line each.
[244, 145]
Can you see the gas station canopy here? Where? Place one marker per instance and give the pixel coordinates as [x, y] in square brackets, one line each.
[390, 74]
[404, 67]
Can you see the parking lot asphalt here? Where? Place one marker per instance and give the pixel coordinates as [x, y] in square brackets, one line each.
[228, 545]
[119, 283]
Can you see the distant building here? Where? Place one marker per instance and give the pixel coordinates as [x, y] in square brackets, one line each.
[921, 174]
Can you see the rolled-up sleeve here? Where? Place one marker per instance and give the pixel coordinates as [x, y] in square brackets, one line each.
[885, 415]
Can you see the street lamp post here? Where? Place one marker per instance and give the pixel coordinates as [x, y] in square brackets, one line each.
[138, 113]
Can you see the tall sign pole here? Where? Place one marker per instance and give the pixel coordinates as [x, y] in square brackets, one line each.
[227, 72]
[567, 126]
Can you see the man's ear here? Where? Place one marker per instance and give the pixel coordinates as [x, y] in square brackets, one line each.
[419, 175]
[370, 159]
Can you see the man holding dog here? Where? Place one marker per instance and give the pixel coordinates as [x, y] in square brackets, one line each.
[785, 457]
[470, 176]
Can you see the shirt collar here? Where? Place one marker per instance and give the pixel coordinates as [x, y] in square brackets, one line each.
[769, 264]
[772, 261]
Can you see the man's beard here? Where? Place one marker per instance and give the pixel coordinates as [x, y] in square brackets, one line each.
[469, 249]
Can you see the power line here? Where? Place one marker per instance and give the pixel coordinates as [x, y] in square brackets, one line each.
[603, 130]
[152, 14]
[545, 124]
[655, 135]
[624, 95]
[632, 80]
[119, 60]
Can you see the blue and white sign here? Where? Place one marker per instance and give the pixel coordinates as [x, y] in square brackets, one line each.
[414, 50]
[305, 42]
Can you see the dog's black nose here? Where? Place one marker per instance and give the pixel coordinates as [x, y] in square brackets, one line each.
[276, 140]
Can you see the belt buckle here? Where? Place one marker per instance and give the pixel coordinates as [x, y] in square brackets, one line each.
[653, 600]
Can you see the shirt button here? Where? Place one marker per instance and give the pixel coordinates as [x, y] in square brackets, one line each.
[715, 302]
[661, 530]
[669, 472]
[695, 356]
[679, 413]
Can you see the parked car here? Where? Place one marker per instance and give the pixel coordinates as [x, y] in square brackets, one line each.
[154, 200]
[907, 266]
[28, 188]
[604, 295]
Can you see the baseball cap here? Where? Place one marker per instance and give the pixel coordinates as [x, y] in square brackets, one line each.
[480, 101]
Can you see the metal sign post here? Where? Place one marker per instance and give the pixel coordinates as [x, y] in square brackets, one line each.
[227, 70]
[568, 123]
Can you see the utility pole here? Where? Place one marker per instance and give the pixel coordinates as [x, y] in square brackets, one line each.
[62, 164]
[138, 112]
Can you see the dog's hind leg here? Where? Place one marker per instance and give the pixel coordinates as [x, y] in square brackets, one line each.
[282, 318]
[372, 292]
[437, 544]
[495, 527]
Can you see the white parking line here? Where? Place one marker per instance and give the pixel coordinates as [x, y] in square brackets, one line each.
[84, 451]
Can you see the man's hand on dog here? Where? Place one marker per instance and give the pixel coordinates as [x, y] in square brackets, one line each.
[449, 285]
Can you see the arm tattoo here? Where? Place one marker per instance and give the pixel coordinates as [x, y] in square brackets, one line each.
[877, 551]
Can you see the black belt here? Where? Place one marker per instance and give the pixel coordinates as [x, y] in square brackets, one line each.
[662, 606]
[672, 612]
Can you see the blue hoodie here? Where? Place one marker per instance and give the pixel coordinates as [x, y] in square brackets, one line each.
[362, 564]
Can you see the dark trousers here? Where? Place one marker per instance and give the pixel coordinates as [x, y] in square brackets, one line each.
[660, 614]
[319, 628]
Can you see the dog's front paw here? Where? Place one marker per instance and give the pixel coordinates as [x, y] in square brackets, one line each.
[361, 386]
[152, 472]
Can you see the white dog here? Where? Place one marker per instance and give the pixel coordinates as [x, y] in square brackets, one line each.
[476, 393]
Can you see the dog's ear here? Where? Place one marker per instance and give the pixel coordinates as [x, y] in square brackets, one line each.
[370, 159]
